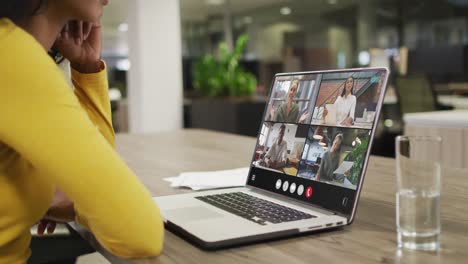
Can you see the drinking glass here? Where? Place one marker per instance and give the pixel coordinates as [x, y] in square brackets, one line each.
[418, 192]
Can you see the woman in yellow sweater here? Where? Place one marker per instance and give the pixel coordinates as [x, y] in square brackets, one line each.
[54, 138]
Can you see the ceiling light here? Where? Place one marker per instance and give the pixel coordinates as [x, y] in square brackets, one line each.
[123, 27]
[285, 11]
[322, 142]
[333, 2]
[214, 2]
[317, 137]
[318, 134]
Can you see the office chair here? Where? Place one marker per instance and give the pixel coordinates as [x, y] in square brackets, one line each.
[64, 247]
[415, 94]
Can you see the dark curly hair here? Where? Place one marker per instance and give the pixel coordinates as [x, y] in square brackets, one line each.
[19, 9]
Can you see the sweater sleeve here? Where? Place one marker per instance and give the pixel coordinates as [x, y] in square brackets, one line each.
[42, 120]
[93, 95]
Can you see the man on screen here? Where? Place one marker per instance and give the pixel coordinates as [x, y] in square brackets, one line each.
[331, 161]
[276, 156]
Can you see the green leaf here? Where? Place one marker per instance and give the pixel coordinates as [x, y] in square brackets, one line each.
[224, 76]
[357, 156]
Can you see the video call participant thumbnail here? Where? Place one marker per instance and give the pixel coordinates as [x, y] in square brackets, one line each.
[331, 161]
[348, 100]
[294, 101]
[288, 111]
[334, 155]
[280, 147]
[345, 105]
[276, 156]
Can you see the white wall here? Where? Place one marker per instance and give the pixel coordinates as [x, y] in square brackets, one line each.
[155, 76]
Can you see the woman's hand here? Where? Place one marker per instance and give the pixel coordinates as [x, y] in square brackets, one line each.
[303, 118]
[61, 210]
[325, 113]
[46, 225]
[272, 112]
[348, 121]
[80, 42]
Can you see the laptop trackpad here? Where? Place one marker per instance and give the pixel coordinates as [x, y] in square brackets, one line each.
[194, 213]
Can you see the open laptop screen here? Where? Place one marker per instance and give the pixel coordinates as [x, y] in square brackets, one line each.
[316, 135]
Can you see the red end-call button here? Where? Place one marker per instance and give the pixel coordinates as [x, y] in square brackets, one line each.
[308, 192]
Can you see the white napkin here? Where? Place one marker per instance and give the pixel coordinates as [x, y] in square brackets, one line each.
[204, 180]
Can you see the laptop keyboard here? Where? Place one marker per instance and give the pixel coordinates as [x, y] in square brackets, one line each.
[254, 209]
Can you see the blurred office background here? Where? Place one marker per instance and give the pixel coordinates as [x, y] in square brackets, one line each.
[152, 49]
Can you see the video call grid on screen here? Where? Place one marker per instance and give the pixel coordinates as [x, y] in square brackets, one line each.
[325, 122]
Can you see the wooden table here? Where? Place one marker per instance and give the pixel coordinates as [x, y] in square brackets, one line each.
[370, 239]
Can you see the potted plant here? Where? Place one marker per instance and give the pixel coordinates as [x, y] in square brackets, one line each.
[226, 89]
[357, 155]
[224, 76]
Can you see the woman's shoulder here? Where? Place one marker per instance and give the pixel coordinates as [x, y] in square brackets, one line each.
[6, 24]
[23, 56]
[17, 47]
[10, 34]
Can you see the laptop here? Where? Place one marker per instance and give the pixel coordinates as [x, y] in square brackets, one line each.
[317, 189]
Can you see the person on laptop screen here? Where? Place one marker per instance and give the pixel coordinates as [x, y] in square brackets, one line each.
[288, 111]
[330, 160]
[276, 156]
[345, 104]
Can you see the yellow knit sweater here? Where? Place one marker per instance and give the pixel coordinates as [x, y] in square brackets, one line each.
[53, 137]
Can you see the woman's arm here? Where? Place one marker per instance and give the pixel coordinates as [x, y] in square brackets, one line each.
[92, 91]
[349, 121]
[325, 110]
[43, 121]
[353, 107]
[81, 42]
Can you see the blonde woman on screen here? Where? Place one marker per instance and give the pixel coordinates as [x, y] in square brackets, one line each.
[288, 111]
